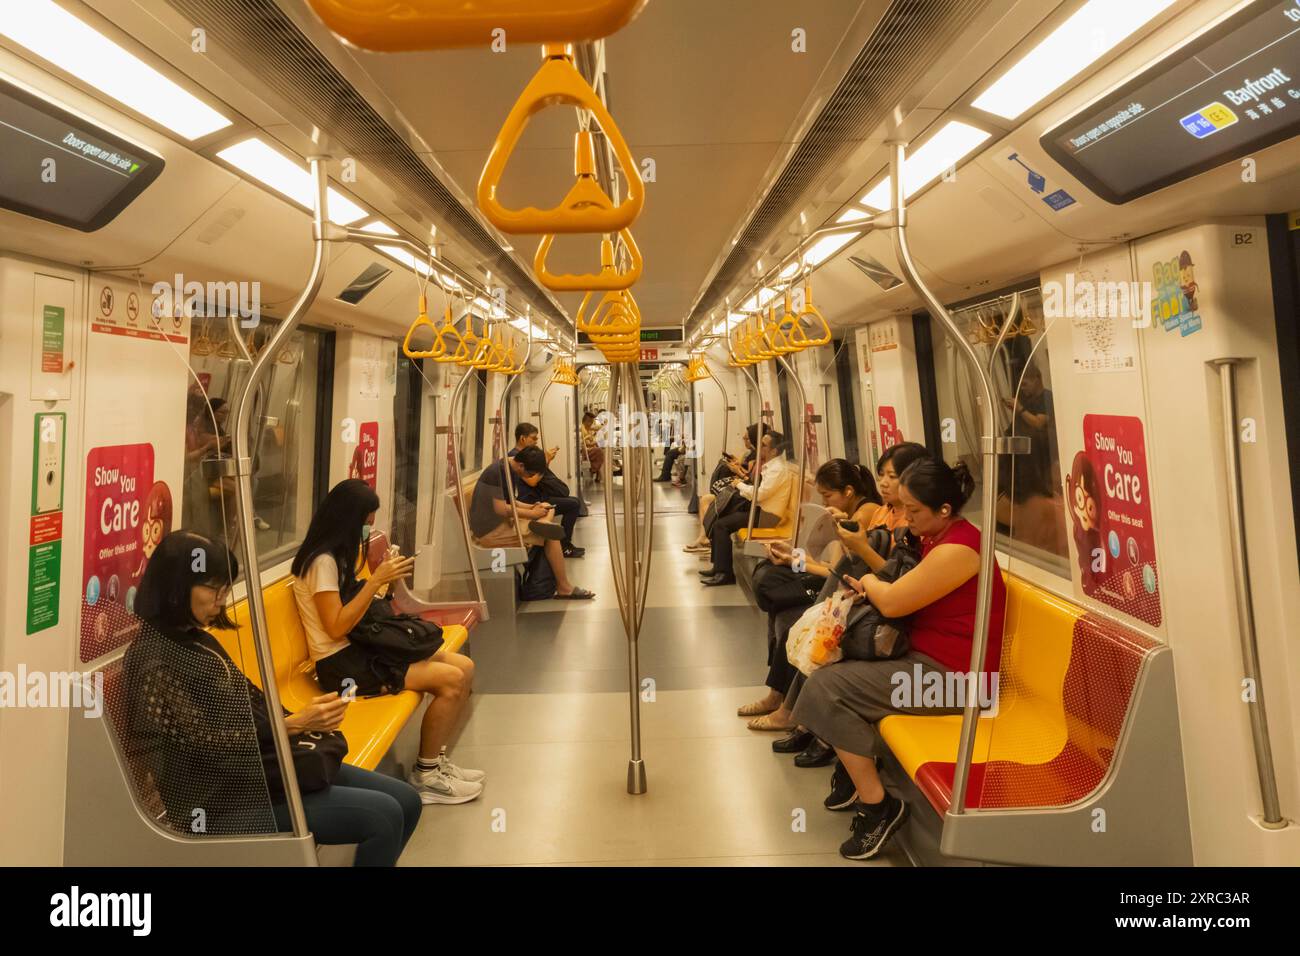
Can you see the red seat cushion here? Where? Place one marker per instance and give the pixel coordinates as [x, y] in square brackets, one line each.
[466, 616]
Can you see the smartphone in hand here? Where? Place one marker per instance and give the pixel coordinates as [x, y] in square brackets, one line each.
[851, 526]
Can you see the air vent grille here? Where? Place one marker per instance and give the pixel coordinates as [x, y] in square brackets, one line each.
[268, 44]
[909, 37]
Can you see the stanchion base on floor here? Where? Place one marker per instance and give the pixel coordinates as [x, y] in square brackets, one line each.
[636, 776]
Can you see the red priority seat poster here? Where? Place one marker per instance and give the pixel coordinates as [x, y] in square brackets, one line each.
[1108, 497]
[127, 515]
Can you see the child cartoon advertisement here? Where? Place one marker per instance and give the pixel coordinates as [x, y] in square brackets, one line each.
[1175, 305]
[127, 516]
[1108, 498]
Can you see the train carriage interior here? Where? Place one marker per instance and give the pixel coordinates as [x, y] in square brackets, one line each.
[844, 433]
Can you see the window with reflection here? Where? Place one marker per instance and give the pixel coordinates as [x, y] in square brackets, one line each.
[283, 437]
[1030, 508]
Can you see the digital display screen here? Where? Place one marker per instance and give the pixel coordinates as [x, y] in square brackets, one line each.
[63, 169]
[647, 335]
[1234, 90]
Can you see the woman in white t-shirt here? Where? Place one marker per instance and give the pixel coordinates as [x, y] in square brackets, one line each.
[332, 601]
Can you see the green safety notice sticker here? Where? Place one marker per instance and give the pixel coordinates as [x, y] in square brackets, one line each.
[52, 338]
[43, 565]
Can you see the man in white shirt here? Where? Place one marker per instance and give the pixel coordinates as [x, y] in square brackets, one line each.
[774, 488]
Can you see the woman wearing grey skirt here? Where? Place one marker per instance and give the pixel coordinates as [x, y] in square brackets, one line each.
[843, 702]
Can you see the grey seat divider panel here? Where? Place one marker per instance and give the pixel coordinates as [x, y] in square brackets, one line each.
[1137, 816]
[103, 826]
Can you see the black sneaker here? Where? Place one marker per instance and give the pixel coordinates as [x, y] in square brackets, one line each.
[872, 827]
[572, 551]
[843, 793]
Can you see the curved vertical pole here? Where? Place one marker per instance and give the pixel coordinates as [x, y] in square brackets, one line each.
[508, 478]
[726, 403]
[896, 221]
[453, 459]
[636, 541]
[803, 446]
[541, 431]
[244, 487]
[1272, 817]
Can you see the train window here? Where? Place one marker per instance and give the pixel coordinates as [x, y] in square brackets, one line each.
[283, 441]
[848, 418]
[408, 406]
[1030, 508]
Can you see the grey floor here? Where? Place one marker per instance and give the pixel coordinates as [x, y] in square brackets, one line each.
[549, 722]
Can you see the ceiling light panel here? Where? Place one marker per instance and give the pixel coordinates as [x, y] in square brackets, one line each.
[1094, 30]
[54, 34]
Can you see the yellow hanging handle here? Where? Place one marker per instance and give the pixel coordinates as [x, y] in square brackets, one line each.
[614, 313]
[450, 345]
[608, 279]
[387, 26]
[420, 320]
[809, 311]
[587, 208]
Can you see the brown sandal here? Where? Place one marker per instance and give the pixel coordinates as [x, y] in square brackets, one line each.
[765, 723]
[756, 709]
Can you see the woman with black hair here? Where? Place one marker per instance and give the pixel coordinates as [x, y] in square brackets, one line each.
[849, 493]
[843, 702]
[201, 729]
[331, 602]
[728, 469]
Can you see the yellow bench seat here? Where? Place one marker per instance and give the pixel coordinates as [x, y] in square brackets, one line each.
[371, 724]
[1065, 684]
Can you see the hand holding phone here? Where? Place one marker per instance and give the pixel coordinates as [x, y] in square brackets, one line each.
[850, 526]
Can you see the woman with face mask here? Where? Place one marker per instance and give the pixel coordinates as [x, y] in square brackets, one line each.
[332, 601]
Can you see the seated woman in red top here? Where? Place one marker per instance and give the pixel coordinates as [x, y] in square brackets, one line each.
[842, 703]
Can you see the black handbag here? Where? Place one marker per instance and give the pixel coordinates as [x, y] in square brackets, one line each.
[317, 758]
[403, 638]
[777, 587]
[725, 502]
[868, 634]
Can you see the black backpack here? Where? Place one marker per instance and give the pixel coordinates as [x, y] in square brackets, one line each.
[535, 581]
[868, 634]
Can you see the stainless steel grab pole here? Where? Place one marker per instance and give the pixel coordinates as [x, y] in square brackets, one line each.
[896, 221]
[636, 482]
[803, 446]
[1273, 818]
[453, 459]
[244, 486]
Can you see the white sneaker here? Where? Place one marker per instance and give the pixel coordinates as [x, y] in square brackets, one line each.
[459, 773]
[435, 786]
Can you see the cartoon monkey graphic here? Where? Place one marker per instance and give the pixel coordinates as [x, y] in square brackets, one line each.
[157, 523]
[1081, 499]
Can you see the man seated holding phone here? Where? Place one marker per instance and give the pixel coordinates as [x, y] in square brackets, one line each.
[772, 496]
[492, 524]
[547, 487]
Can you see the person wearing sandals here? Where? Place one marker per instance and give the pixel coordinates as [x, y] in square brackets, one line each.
[492, 525]
[809, 750]
[849, 493]
[331, 602]
[843, 702]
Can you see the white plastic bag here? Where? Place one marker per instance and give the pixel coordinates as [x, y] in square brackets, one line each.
[814, 639]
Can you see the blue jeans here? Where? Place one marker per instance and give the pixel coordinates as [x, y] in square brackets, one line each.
[372, 810]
